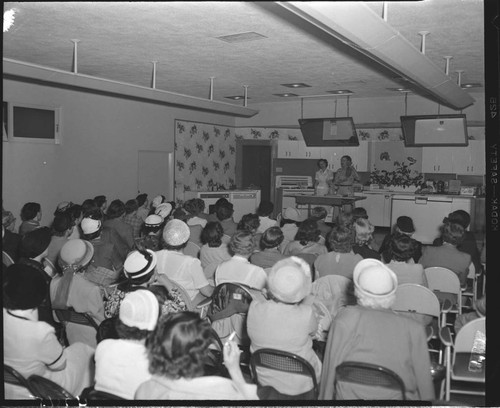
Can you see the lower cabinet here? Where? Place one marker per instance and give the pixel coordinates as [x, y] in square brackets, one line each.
[378, 208]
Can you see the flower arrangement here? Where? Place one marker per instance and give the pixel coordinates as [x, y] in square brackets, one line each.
[402, 175]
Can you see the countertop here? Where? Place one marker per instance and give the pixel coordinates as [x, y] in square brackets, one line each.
[389, 192]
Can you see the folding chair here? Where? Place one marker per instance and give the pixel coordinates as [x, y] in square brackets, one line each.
[472, 292]
[6, 259]
[48, 389]
[69, 315]
[13, 377]
[354, 372]
[465, 368]
[284, 361]
[92, 394]
[446, 285]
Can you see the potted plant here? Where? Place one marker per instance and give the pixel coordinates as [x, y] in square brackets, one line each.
[402, 177]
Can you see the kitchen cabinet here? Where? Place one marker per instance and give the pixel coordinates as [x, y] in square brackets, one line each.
[308, 152]
[288, 149]
[470, 160]
[437, 160]
[378, 208]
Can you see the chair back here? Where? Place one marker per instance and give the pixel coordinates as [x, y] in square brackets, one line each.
[285, 361]
[442, 280]
[48, 389]
[170, 284]
[6, 259]
[13, 377]
[71, 316]
[464, 339]
[369, 374]
[92, 394]
[215, 357]
[414, 298]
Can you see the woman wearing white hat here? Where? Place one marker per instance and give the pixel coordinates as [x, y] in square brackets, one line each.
[371, 332]
[285, 323]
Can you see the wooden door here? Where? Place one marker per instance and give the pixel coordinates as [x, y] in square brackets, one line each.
[256, 169]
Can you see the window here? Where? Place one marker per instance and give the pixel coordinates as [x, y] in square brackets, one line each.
[32, 123]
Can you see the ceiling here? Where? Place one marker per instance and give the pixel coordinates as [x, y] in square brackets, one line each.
[119, 41]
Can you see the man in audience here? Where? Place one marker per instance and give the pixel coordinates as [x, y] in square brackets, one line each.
[371, 332]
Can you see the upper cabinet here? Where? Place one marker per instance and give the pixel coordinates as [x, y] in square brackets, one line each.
[437, 160]
[288, 149]
[470, 160]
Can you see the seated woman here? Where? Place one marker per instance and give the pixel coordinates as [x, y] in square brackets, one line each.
[214, 251]
[177, 351]
[404, 225]
[289, 222]
[122, 234]
[238, 268]
[71, 289]
[251, 222]
[270, 241]
[306, 240]
[367, 333]
[30, 346]
[319, 214]
[150, 235]
[363, 236]
[31, 214]
[183, 269]
[341, 260]
[448, 255]
[401, 252]
[195, 207]
[264, 211]
[122, 364]
[285, 323]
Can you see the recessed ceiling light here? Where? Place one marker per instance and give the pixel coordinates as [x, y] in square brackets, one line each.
[472, 85]
[341, 92]
[297, 85]
[241, 37]
[236, 97]
[286, 95]
[400, 89]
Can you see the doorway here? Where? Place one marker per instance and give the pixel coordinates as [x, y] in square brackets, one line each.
[256, 168]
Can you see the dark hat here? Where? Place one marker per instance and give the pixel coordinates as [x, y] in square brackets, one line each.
[61, 223]
[405, 224]
[35, 242]
[24, 287]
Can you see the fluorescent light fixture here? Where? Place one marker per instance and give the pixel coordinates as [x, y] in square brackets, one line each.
[242, 37]
[296, 85]
[341, 92]
[236, 97]
[401, 89]
[285, 95]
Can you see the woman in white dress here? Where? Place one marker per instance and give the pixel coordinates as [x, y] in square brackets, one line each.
[323, 179]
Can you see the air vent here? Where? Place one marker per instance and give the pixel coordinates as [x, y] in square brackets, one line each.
[242, 37]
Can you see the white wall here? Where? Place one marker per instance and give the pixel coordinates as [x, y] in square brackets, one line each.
[101, 137]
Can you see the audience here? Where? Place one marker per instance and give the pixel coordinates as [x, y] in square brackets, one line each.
[143, 204]
[340, 260]
[30, 346]
[31, 214]
[251, 222]
[102, 203]
[195, 207]
[306, 240]
[150, 235]
[371, 332]
[122, 234]
[404, 225]
[214, 251]
[177, 351]
[285, 323]
[76, 213]
[359, 212]
[464, 318]
[289, 222]
[62, 227]
[238, 268]
[131, 217]
[363, 231]
[270, 253]
[11, 241]
[319, 214]
[224, 213]
[264, 211]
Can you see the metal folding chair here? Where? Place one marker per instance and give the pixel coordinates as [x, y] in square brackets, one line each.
[465, 367]
[280, 360]
[13, 377]
[48, 389]
[373, 375]
[446, 285]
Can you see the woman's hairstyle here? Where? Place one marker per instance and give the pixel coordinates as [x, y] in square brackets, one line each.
[75, 211]
[459, 217]
[345, 219]
[371, 302]
[180, 213]
[131, 206]
[364, 231]
[116, 209]
[224, 211]
[88, 206]
[308, 232]
[249, 222]
[100, 200]
[265, 208]
[453, 233]
[192, 207]
[130, 333]
[141, 199]
[322, 160]
[178, 346]
[271, 238]
[30, 210]
[319, 213]
[242, 243]
[340, 239]
[212, 234]
[359, 212]
[348, 158]
[62, 222]
[401, 248]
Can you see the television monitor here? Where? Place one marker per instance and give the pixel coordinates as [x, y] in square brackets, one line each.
[329, 132]
[434, 130]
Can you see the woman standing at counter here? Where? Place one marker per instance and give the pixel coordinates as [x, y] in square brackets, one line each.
[323, 179]
[345, 177]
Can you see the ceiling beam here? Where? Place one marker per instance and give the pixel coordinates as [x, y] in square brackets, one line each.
[359, 27]
[53, 77]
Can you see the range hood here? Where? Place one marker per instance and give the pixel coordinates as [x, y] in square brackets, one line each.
[359, 27]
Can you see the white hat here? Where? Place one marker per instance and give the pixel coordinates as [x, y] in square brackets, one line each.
[139, 264]
[153, 220]
[293, 214]
[374, 279]
[290, 280]
[163, 210]
[176, 232]
[140, 309]
[76, 252]
[157, 201]
[89, 225]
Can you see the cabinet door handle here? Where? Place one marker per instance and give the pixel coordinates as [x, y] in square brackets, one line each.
[471, 168]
